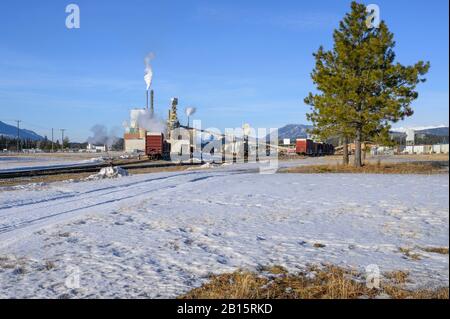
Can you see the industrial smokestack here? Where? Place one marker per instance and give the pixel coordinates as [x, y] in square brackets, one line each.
[152, 109]
[148, 72]
[148, 75]
[189, 111]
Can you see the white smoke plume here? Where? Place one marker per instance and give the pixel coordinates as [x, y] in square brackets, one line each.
[150, 122]
[101, 136]
[148, 72]
[190, 111]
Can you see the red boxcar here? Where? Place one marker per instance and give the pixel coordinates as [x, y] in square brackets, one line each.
[304, 146]
[155, 146]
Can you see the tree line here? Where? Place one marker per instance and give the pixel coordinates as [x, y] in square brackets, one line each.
[10, 144]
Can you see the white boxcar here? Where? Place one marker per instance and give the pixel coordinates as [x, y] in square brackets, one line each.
[440, 148]
[437, 148]
[414, 149]
[427, 149]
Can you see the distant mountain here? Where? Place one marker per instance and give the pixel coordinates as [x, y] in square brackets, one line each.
[293, 131]
[423, 135]
[441, 130]
[11, 131]
[437, 131]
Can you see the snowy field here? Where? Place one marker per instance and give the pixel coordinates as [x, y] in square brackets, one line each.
[159, 235]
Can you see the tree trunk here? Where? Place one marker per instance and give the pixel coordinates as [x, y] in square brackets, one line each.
[358, 162]
[345, 159]
[364, 151]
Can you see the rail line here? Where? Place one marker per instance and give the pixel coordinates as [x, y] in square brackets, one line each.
[88, 168]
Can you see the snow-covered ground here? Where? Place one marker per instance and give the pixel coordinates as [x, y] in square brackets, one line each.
[159, 235]
[13, 163]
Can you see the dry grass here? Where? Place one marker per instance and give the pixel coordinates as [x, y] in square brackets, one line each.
[409, 254]
[64, 234]
[425, 157]
[13, 263]
[399, 293]
[436, 250]
[330, 282]
[22, 265]
[275, 270]
[49, 265]
[159, 169]
[397, 277]
[372, 168]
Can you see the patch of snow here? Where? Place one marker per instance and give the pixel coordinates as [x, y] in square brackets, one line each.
[209, 165]
[29, 186]
[109, 172]
[94, 160]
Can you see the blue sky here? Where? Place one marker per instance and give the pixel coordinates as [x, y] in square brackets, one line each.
[236, 61]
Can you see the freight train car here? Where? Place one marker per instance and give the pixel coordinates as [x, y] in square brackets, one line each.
[305, 146]
[155, 146]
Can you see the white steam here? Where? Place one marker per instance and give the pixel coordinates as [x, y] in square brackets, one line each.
[148, 72]
[190, 111]
[101, 136]
[150, 122]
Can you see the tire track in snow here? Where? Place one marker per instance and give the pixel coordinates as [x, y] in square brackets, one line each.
[16, 204]
[47, 215]
[137, 183]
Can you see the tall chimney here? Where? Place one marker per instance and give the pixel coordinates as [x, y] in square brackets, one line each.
[146, 99]
[152, 109]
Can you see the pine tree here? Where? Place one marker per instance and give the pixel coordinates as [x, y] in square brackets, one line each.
[66, 142]
[362, 89]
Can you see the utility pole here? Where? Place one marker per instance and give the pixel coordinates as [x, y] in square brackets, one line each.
[52, 140]
[18, 135]
[62, 138]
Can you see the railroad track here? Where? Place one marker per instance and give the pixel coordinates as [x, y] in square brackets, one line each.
[86, 169]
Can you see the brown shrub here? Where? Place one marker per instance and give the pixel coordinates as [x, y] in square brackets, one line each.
[330, 282]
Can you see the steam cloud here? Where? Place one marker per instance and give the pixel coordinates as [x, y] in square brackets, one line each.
[148, 73]
[150, 122]
[190, 111]
[101, 136]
